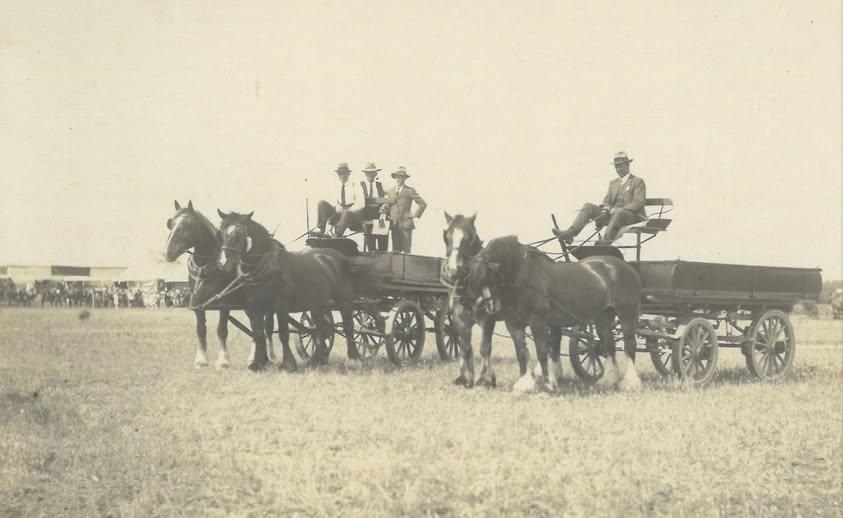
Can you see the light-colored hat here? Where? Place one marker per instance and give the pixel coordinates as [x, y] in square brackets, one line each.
[342, 167]
[402, 171]
[621, 158]
[370, 168]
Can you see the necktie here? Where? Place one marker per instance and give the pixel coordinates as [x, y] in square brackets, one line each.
[342, 195]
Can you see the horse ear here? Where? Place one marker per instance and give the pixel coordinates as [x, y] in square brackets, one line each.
[249, 216]
[222, 214]
[448, 218]
[176, 202]
[190, 205]
[472, 218]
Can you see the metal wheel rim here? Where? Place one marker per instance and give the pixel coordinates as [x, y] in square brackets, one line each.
[306, 334]
[452, 339]
[697, 355]
[367, 344]
[405, 331]
[772, 347]
[587, 359]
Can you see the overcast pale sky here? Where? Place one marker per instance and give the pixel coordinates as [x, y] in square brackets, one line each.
[110, 110]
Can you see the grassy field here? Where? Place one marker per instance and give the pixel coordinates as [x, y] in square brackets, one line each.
[107, 417]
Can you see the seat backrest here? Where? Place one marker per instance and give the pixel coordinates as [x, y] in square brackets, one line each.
[661, 203]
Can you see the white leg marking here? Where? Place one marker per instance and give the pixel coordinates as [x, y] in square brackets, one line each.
[222, 360]
[201, 359]
[610, 372]
[252, 352]
[555, 373]
[270, 349]
[631, 381]
[526, 384]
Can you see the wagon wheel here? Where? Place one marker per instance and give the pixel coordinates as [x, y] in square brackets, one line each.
[586, 357]
[661, 352]
[367, 323]
[447, 336]
[695, 353]
[306, 328]
[772, 346]
[405, 332]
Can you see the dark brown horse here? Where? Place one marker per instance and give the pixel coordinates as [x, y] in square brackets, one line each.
[190, 229]
[462, 244]
[531, 289]
[275, 280]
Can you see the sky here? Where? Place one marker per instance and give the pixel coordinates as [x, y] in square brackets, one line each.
[112, 110]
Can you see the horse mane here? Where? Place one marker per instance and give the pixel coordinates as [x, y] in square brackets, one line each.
[206, 224]
[506, 251]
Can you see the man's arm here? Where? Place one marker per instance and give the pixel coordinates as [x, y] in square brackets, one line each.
[421, 205]
[607, 200]
[639, 195]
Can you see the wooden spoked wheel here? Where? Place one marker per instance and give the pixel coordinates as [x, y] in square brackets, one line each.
[772, 348]
[307, 334]
[405, 332]
[695, 353]
[447, 336]
[586, 356]
[661, 353]
[368, 332]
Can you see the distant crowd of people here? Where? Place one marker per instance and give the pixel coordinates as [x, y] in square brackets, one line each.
[62, 294]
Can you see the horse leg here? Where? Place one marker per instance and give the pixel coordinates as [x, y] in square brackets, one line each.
[258, 359]
[611, 370]
[631, 381]
[201, 359]
[463, 320]
[526, 383]
[288, 362]
[269, 323]
[487, 372]
[222, 334]
[348, 331]
[555, 346]
[539, 329]
[320, 334]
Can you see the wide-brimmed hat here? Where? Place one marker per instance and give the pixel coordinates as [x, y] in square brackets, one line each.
[402, 171]
[621, 158]
[342, 167]
[370, 168]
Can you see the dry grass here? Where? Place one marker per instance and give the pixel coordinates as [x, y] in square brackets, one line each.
[106, 417]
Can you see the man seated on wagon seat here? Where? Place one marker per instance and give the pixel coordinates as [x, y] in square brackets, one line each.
[345, 211]
[623, 205]
[375, 197]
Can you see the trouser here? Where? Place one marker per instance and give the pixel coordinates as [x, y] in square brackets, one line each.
[612, 222]
[327, 213]
[377, 243]
[402, 239]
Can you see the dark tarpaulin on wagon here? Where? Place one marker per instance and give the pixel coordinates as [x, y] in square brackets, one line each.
[82, 271]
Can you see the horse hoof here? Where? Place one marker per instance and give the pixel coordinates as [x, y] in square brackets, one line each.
[222, 365]
[463, 382]
[199, 365]
[525, 385]
[255, 367]
[352, 364]
[481, 382]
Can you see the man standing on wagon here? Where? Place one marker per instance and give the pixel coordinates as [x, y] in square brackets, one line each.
[375, 196]
[345, 211]
[400, 200]
[623, 205]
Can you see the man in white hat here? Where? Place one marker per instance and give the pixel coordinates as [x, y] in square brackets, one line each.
[400, 202]
[623, 205]
[375, 197]
[344, 212]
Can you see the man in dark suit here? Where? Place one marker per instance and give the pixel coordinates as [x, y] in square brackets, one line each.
[400, 200]
[375, 197]
[623, 205]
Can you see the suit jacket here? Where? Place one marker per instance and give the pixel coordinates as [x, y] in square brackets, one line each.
[400, 205]
[374, 199]
[630, 196]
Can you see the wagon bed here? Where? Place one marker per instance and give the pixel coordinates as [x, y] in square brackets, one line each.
[687, 282]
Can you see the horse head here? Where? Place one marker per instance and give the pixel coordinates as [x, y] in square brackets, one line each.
[184, 227]
[461, 244]
[236, 239]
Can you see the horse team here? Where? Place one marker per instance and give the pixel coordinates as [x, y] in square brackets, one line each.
[239, 265]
